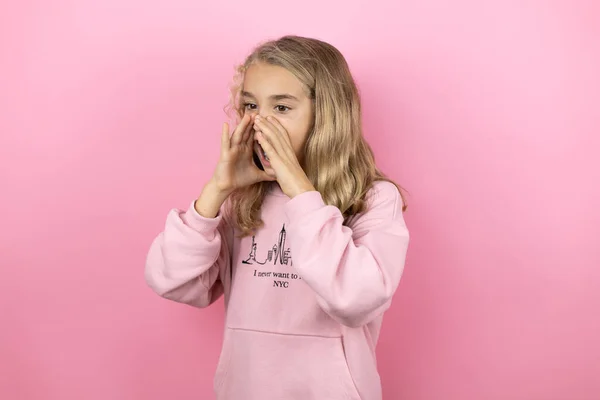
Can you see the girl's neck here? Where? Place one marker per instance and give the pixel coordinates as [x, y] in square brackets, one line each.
[275, 189]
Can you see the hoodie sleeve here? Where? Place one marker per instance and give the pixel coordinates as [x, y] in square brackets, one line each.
[185, 260]
[354, 270]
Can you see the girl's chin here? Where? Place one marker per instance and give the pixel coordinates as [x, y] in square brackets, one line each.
[270, 171]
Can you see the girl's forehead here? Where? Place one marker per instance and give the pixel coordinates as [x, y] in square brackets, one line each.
[266, 80]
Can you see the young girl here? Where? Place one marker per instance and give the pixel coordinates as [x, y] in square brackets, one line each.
[297, 228]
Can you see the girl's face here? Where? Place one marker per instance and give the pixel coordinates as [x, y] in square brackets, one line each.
[270, 90]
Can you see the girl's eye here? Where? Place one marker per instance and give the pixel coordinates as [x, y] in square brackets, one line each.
[282, 108]
[250, 106]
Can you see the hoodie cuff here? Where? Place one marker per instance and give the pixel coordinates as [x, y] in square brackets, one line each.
[303, 204]
[199, 223]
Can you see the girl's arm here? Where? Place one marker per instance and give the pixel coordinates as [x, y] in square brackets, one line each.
[353, 270]
[185, 260]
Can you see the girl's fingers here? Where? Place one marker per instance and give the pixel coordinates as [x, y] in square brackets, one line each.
[225, 142]
[271, 134]
[281, 129]
[236, 138]
[247, 136]
[266, 145]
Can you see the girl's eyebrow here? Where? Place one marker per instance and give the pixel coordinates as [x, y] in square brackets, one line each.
[275, 97]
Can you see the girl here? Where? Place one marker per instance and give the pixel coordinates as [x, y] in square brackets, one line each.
[297, 228]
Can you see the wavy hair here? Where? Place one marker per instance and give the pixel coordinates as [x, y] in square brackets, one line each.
[337, 159]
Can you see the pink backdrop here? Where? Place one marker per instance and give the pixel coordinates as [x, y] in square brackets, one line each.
[489, 115]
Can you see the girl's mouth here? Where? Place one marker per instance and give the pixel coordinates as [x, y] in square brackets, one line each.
[264, 160]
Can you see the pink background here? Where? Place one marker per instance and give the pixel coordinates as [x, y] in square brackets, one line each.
[486, 111]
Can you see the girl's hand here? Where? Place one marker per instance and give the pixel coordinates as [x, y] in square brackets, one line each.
[236, 168]
[275, 141]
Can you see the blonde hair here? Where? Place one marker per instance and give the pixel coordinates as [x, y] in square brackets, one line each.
[337, 159]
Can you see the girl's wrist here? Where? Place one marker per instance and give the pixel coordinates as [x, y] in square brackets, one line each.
[210, 200]
[302, 188]
[215, 188]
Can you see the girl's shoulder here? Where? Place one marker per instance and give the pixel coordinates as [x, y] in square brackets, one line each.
[383, 193]
[383, 203]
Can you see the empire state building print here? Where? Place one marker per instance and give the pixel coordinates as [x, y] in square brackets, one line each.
[278, 254]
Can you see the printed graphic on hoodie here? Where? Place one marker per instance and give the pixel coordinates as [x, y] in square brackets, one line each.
[276, 255]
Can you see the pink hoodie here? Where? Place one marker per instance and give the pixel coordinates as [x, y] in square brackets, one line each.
[304, 297]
